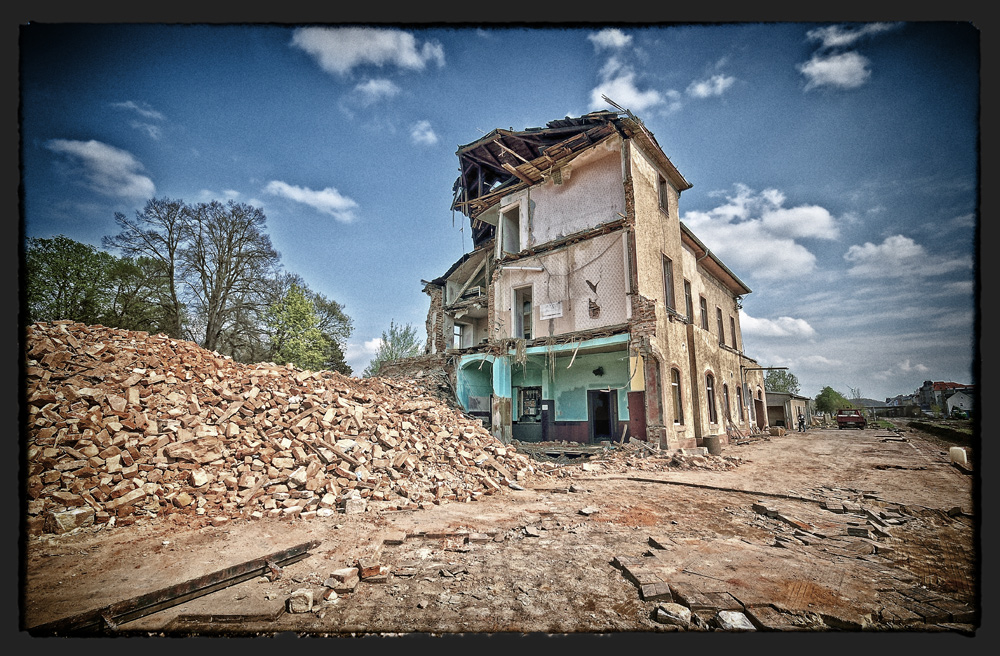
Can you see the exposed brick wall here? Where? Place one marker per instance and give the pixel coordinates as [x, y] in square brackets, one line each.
[436, 339]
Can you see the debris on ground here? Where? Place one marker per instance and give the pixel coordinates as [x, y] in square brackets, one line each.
[123, 425]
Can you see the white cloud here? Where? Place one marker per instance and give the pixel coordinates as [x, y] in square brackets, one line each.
[840, 36]
[105, 169]
[374, 90]
[804, 221]
[207, 196]
[340, 49]
[906, 366]
[143, 109]
[780, 327]
[422, 133]
[328, 201]
[623, 90]
[899, 257]
[753, 232]
[609, 38]
[713, 86]
[846, 70]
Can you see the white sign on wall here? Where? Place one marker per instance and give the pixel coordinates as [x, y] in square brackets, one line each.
[550, 310]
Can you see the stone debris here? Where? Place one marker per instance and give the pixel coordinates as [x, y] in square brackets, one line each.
[300, 601]
[733, 620]
[123, 425]
[674, 614]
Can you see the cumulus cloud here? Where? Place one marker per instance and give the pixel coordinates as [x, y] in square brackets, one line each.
[105, 169]
[373, 91]
[780, 327]
[713, 86]
[906, 366]
[754, 232]
[207, 195]
[847, 70]
[835, 66]
[338, 50]
[422, 133]
[328, 201]
[835, 36]
[899, 257]
[624, 91]
[609, 38]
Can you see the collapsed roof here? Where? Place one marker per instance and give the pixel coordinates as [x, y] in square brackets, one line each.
[504, 161]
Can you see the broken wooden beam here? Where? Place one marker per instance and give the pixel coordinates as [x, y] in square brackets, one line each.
[112, 616]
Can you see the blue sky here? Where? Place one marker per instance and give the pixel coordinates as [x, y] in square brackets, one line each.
[835, 165]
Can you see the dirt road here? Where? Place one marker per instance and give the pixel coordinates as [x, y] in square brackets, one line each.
[823, 530]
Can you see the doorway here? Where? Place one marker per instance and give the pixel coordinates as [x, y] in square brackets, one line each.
[602, 415]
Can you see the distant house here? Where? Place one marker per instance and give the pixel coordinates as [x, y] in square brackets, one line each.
[783, 409]
[960, 401]
[936, 393]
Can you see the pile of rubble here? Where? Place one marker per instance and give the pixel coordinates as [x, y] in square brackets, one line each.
[123, 424]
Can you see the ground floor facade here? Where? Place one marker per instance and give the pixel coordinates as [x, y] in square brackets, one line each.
[588, 391]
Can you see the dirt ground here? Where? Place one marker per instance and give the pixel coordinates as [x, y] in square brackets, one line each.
[563, 556]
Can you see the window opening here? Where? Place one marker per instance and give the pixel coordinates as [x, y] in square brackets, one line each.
[732, 330]
[713, 416]
[688, 302]
[511, 220]
[725, 399]
[664, 196]
[675, 384]
[722, 327]
[668, 282]
[739, 402]
[522, 313]
[704, 312]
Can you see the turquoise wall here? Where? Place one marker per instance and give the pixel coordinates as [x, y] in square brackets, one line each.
[571, 385]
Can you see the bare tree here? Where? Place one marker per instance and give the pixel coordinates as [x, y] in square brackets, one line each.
[157, 232]
[226, 256]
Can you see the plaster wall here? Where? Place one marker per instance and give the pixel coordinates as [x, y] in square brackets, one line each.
[590, 193]
[588, 278]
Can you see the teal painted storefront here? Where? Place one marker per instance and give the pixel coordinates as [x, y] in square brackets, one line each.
[572, 378]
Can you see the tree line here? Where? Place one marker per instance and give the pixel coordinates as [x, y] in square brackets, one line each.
[828, 399]
[205, 272]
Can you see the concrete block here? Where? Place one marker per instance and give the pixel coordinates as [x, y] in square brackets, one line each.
[300, 601]
[732, 620]
[674, 614]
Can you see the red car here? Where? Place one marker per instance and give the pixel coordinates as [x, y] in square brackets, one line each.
[851, 419]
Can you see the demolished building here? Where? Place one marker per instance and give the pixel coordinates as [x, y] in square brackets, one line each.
[587, 311]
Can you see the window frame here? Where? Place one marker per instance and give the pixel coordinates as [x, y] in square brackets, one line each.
[720, 325]
[669, 300]
[688, 301]
[713, 414]
[732, 330]
[703, 306]
[661, 189]
[675, 384]
[517, 312]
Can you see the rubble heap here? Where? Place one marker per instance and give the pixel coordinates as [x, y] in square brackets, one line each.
[123, 424]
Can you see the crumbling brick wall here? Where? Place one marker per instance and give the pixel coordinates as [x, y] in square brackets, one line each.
[437, 341]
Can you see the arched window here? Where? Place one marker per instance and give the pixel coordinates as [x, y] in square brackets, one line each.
[739, 402]
[713, 416]
[725, 398]
[675, 384]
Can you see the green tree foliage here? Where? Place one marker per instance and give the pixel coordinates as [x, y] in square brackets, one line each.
[830, 400]
[781, 380]
[204, 272]
[295, 333]
[66, 280]
[399, 342]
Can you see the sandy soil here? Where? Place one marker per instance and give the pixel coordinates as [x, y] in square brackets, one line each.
[549, 559]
